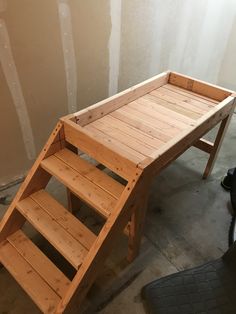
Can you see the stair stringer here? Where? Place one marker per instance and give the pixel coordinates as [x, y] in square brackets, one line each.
[94, 261]
[36, 180]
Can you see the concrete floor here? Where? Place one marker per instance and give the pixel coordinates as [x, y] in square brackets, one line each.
[187, 224]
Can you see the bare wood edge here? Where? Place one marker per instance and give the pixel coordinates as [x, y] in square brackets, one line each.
[110, 104]
[104, 242]
[184, 140]
[203, 88]
[100, 151]
[204, 145]
[56, 138]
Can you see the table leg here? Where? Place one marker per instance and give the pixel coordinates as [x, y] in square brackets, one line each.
[136, 227]
[217, 145]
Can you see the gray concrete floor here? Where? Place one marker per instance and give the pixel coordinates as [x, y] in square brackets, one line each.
[187, 224]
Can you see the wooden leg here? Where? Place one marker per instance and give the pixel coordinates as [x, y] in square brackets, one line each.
[217, 145]
[136, 228]
[74, 203]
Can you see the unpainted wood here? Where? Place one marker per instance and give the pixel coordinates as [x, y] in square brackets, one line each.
[106, 106]
[199, 87]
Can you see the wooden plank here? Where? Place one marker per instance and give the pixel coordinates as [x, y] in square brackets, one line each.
[171, 150]
[209, 101]
[204, 145]
[71, 249]
[168, 129]
[132, 154]
[40, 263]
[64, 218]
[148, 107]
[201, 106]
[154, 103]
[132, 131]
[106, 106]
[199, 87]
[173, 99]
[106, 153]
[87, 191]
[40, 292]
[141, 125]
[121, 137]
[174, 106]
[91, 172]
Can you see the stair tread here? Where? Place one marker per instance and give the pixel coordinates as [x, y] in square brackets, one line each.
[67, 173]
[60, 238]
[35, 273]
[91, 172]
[64, 218]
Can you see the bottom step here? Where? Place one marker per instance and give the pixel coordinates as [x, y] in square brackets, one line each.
[36, 274]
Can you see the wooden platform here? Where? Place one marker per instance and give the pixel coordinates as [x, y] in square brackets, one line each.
[135, 134]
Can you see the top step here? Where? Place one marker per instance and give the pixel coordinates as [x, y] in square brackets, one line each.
[90, 184]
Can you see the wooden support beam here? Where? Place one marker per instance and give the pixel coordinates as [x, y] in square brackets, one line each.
[204, 145]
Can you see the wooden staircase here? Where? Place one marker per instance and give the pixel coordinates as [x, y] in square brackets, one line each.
[49, 288]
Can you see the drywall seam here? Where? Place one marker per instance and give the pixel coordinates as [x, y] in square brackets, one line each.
[69, 53]
[3, 5]
[12, 78]
[114, 46]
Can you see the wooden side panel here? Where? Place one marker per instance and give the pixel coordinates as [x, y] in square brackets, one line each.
[108, 105]
[199, 87]
[105, 154]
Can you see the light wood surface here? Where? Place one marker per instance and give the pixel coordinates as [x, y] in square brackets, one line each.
[135, 134]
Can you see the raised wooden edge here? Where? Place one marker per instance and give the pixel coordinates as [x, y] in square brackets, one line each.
[175, 147]
[112, 159]
[199, 87]
[110, 104]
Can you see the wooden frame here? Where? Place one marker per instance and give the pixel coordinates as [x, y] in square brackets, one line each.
[136, 134]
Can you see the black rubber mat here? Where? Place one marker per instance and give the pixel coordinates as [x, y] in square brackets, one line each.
[207, 289]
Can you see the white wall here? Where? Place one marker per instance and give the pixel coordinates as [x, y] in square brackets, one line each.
[193, 37]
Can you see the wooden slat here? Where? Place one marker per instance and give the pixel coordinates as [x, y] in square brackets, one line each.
[106, 106]
[199, 87]
[91, 172]
[39, 262]
[64, 218]
[154, 103]
[175, 107]
[132, 131]
[71, 249]
[201, 106]
[148, 107]
[186, 92]
[168, 129]
[174, 100]
[141, 125]
[40, 292]
[121, 137]
[87, 191]
[105, 152]
[132, 154]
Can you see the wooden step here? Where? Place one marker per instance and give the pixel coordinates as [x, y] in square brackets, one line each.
[58, 226]
[90, 184]
[35, 273]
